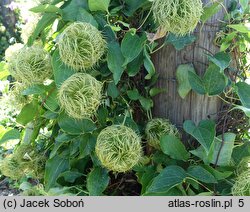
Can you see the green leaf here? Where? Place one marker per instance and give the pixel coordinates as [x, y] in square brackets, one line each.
[145, 177]
[54, 167]
[201, 174]
[225, 155]
[182, 74]
[60, 141]
[155, 91]
[50, 100]
[25, 186]
[11, 134]
[243, 91]
[131, 6]
[97, 181]
[209, 11]
[60, 191]
[244, 109]
[115, 61]
[4, 74]
[148, 64]
[221, 59]
[28, 113]
[196, 83]
[46, 8]
[239, 27]
[3, 70]
[131, 46]
[134, 67]
[218, 151]
[60, 70]
[73, 10]
[50, 115]
[201, 153]
[101, 5]
[214, 81]
[146, 103]
[134, 94]
[241, 151]
[87, 145]
[217, 174]
[44, 22]
[70, 176]
[224, 46]
[35, 89]
[85, 16]
[102, 115]
[75, 127]
[168, 178]
[173, 147]
[172, 192]
[3, 130]
[204, 133]
[113, 90]
[180, 42]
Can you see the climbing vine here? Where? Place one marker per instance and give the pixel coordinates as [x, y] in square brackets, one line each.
[84, 86]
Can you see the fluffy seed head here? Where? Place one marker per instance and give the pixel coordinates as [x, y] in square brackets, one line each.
[10, 168]
[118, 148]
[177, 16]
[15, 95]
[81, 46]
[241, 186]
[80, 95]
[25, 160]
[12, 51]
[31, 65]
[243, 165]
[156, 128]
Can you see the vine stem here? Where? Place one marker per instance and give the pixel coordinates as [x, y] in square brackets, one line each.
[226, 101]
[125, 118]
[158, 48]
[144, 21]
[222, 142]
[200, 184]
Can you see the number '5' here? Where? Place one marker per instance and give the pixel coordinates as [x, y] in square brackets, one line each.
[241, 203]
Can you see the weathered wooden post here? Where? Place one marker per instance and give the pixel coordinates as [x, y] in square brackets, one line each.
[195, 107]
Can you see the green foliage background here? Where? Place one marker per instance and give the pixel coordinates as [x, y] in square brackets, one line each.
[208, 167]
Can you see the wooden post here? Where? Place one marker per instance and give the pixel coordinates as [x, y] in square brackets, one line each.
[194, 107]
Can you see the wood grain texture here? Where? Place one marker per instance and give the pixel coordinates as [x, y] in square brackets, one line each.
[194, 107]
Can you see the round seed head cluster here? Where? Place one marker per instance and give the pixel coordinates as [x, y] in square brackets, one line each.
[81, 46]
[243, 166]
[12, 50]
[9, 167]
[158, 127]
[118, 148]
[179, 17]
[80, 95]
[31, 65]
[16, 97]
[26, 160]
[241, 186]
